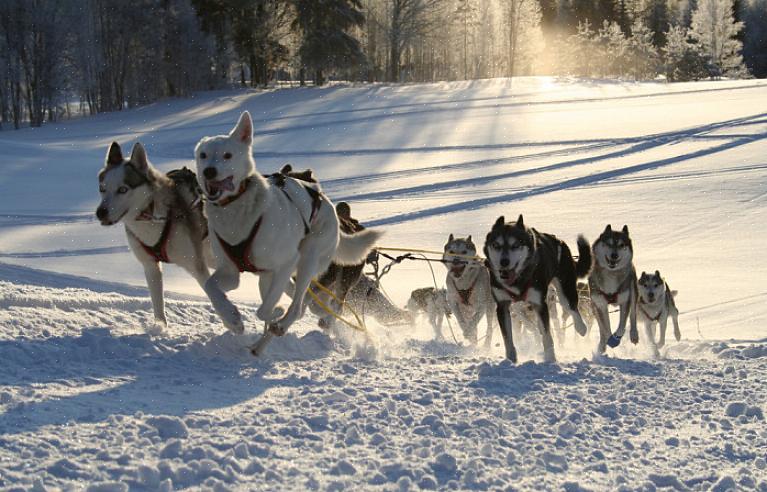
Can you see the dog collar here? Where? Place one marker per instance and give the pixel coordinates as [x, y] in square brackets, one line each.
[226, 201]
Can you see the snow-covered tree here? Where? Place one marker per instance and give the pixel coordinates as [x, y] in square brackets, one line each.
[613, 55]
[643, 53]
[682, 59]
[714, 28]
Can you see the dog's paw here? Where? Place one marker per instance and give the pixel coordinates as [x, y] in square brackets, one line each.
[661, 343]
[677, 334]
[613, 341]
[233, 321]
[156, 328]
[264, 314]
[634, 336]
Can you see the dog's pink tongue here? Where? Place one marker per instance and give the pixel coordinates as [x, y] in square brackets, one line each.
[227, 184]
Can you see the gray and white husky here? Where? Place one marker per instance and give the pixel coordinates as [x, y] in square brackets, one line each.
[163, 218]
[275, 228]
[433, 303]
[523, 263]
[468, 288]
[613, 282]
[655, 303]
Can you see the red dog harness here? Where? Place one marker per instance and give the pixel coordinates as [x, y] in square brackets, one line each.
[240, 253]
[158, 252]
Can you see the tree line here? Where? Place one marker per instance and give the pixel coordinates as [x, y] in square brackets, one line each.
[65, 57]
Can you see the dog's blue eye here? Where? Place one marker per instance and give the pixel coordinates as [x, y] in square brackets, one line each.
[122, 189]
[203, 155]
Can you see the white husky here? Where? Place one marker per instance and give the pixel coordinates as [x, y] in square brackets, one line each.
[163, 219]
[276, 228]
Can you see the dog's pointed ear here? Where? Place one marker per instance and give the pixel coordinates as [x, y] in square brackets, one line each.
[450, 238]
[138, 157]
[520, 221]
[243, 132]
[500, 222]
[625, 230]
[644, 274]
[657, 273]
[608, 229]
[468, 239]
[114, 154]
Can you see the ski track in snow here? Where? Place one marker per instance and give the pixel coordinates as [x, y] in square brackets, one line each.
[89, 401]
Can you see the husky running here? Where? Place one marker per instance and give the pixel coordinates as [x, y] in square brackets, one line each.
[468, 288]
[613, 282]
[655, 304]
[522, 263]
[163, 218]
[275, 228]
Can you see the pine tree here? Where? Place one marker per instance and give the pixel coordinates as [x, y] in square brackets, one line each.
[613, 53]
[715, 30]
[325, 41]
[682, 59]
[644, 54]
[754, 15]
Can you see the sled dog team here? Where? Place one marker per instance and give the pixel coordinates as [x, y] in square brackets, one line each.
[284, 229]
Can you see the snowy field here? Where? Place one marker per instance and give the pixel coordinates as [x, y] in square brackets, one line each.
[90, 401]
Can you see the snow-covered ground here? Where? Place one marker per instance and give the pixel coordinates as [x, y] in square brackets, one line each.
[87, 399]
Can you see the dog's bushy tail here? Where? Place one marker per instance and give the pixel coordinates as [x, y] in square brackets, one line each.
[354, 248]
[583, 266]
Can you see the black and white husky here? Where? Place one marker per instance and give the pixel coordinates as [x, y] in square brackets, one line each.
[275, 228]
[522, 263]
[613, 282]
[433, 303]
[655, 303]
[468, 288]
[163, 218]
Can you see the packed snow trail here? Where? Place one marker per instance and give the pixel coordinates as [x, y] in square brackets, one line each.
[87, 399]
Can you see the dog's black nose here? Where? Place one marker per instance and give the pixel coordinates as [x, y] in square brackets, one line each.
[504, 262]
[101, 213]
[209, 172]
[614, 256]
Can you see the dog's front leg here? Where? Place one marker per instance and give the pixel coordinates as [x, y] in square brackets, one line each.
[435, 318]
[503, 312]
[662, 322]
[153, 274]
[603, 320]
[633, 332]
[625, 310]
[651, 339]
[306, 269]
[489, 333]
[455, 307]
[272, 285]
[544, 323]
[224, 279]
